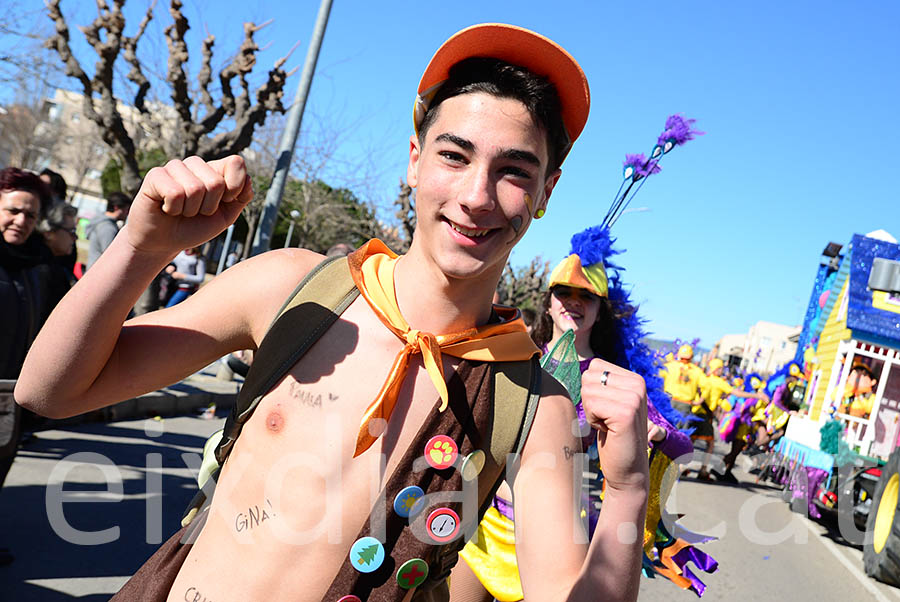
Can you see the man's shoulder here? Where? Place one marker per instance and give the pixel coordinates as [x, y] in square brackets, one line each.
[100, 223]
[275, 271]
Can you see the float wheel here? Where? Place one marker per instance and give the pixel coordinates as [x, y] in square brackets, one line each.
[881, 553]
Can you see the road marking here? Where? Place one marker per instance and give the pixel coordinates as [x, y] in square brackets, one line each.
[854, 570]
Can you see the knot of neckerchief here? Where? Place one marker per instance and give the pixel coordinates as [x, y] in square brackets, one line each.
[372, 267]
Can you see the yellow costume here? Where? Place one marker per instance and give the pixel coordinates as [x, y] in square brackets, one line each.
[491, 555]
[682, 379]
[859, 406]
[714, 390]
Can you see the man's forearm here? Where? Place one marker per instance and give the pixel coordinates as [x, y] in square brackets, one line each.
[79, 336]
[612, 569]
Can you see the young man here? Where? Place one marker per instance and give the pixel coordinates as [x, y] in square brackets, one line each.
[104, 228]
[491, 135]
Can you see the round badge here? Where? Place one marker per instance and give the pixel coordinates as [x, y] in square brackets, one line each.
[442, 525]
[412, 573]
[441, 452]
[350, 598]
[405, 502]
[472, 465]
[367, 554]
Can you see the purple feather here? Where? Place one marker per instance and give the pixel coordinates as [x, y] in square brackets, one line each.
[638, 162]
[679, 130]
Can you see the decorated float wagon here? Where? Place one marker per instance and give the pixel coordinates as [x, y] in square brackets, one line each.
[840, 454]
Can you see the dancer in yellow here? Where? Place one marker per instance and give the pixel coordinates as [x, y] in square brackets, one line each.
[682, 379]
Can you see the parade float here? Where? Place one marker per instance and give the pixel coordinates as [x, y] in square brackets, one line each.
[839, 454]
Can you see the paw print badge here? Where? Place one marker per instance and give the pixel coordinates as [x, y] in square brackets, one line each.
[441, 452]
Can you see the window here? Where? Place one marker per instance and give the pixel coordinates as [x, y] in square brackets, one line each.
[93, 174]
[76, 117]
[53, 111]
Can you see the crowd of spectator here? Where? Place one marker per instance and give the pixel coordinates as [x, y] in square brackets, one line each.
[39, 264]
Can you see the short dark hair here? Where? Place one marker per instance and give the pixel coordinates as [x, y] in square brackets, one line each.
[505, 80]
[57, 184]
[116, 200]
[13, 178]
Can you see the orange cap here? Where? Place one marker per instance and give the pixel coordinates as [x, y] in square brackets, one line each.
[518, 46]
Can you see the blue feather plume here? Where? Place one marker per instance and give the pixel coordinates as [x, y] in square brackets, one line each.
[595, 244]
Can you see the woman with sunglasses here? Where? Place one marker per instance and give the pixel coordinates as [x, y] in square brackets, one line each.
[59, 230]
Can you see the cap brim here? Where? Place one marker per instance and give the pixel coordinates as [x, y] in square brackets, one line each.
[540, 55]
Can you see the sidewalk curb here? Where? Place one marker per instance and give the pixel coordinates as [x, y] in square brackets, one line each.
[181, 398]
[190, 396]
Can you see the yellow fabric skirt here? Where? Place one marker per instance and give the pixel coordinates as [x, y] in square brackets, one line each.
[491, 555]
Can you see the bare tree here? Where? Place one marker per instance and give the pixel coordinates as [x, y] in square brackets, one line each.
[22, 56]
[27, 69]
[209, 128]
[406, 215]
[25, 140]
[329, 185]
[524, 286]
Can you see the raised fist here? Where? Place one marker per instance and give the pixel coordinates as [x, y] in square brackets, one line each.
[185, 203]
[615, 404]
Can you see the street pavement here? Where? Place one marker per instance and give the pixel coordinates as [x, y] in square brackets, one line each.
[765, 551]
[147, 486]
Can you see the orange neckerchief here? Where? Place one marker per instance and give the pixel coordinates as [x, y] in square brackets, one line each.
[372, 268]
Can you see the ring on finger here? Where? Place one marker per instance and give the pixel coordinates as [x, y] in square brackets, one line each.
[604, 378]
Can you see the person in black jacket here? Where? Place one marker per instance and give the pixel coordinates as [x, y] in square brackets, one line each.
[30, 287]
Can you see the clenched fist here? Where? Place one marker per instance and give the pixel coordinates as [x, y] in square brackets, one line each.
[615, 403]
[185, 203]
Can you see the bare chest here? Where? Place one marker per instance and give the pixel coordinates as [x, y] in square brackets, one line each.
[291, 487]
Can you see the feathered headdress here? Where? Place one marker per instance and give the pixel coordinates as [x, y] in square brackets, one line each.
[632, 352]
[637, 168]
[593, 252]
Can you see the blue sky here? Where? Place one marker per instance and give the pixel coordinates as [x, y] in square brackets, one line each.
[799, 101]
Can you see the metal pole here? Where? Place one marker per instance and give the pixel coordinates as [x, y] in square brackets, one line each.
[287, 241]
[224, 254]
[295, 215]
[263, 236]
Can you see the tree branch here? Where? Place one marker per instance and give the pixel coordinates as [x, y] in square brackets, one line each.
[178, 57]
[107, 117]
[205, 74]
[60, 43]
[136, 74]
[268, 99]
